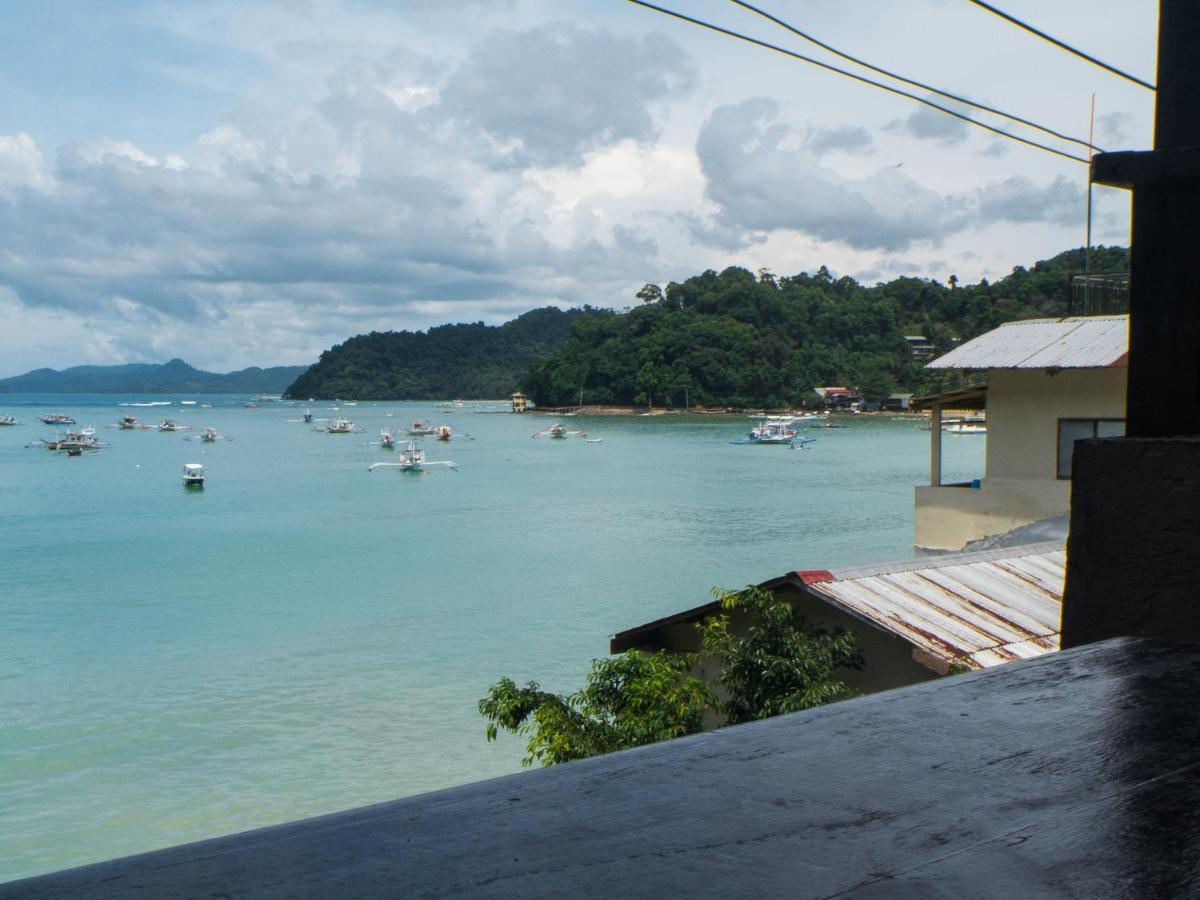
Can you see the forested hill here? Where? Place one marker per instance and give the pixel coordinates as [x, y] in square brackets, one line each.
[473, 360]
[174, 377]
[736, 339]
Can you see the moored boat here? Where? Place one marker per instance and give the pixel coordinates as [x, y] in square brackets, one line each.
[443, 432]
[193, 474]
[57, 419]
[8, 420]
[419, 428]
[341, 426]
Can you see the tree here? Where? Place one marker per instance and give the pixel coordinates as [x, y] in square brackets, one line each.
[650, 293]
[778, 664]
[631, 699]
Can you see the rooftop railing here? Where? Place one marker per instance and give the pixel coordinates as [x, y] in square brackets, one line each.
[1100, 294]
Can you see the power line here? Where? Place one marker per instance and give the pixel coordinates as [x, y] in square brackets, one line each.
[862, 62]
[1065, 46]
[886, 87]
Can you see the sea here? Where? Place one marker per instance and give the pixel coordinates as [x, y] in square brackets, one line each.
[304, 635]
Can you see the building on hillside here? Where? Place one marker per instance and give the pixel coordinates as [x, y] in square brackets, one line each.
[913, 620]
[838, 397]
[1050, 382]
[898, 402]
[919, 346]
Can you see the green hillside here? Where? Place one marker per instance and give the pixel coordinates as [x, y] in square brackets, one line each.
[474, 360]
[736, 339]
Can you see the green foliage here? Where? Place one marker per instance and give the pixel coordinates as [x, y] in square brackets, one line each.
[474, 360]
[630, 700]
[736, 339]
[780, 664]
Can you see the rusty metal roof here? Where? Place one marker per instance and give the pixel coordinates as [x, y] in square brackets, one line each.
[1087, 342]
[972, 610]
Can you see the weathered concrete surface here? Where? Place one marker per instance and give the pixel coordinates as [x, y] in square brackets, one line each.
[1133, 555]
[1072, 775]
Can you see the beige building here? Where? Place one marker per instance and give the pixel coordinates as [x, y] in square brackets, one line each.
[1050, 382]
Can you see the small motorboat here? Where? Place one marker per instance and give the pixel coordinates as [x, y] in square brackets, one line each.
[420, 428]
[443, 432]
[57, 419]
[172, 425]
[341, 426]
[308, 417]
[386, 440]
[193, 475]
[210, 435]
[8, 420]
[558, 431]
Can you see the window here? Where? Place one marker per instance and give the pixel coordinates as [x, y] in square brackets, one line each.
[1072, 430]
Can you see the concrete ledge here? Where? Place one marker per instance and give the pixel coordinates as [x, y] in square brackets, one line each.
[1067, 776]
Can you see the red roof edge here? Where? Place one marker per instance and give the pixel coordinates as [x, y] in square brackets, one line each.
[814, 576]
[1121, 361]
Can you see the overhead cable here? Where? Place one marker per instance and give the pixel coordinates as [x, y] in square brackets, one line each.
[862, 62]
[886, 87]
[1065, 46]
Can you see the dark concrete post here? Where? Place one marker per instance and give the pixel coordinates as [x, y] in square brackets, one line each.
[1134, 549]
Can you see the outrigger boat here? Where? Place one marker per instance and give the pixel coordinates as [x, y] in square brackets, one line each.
[558, 431]
[57, 419]
[420, 428]
[71, 441]
[172, 425]
[412, 459]
[774, 430]
[8, 420]
[443, 432]
[341, 426]
[210, 435]
[193, 475]
[132, 423]
[386, 440]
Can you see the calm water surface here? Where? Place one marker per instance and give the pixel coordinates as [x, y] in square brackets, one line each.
[303, 636]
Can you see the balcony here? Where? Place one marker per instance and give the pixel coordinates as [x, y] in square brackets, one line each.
[1100, 294]
[1070, 775]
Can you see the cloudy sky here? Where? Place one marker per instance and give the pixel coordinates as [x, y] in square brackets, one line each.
[248, 183]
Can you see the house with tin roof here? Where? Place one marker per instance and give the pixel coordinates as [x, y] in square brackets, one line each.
[913, 620]
[1049, 383]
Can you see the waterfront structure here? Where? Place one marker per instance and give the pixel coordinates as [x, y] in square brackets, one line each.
[519, 402]
[1050, 382]
[913, 620]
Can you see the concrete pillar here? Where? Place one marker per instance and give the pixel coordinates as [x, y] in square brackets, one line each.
[1133, 556]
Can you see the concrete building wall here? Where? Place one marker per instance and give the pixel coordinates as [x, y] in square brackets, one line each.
[1024, 406]
[1021, 483]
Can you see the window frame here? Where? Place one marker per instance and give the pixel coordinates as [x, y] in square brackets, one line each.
[1095, 422]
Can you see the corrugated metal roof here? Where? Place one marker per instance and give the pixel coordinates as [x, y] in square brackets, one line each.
[1081, 343]
[972, 609]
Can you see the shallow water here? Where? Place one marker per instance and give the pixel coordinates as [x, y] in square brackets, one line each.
[303, 636]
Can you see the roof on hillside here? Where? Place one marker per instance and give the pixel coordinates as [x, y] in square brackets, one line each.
[968, 609]
[1085, 342]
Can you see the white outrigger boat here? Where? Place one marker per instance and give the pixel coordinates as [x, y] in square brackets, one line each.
[558, 432]
[412, 459]
[386, 439]
[774, 430]
[443, 432]
[73, 442]
[8, 420]
[210, 435]
[965, 425]
[172, 425]
[420, 428]
[56, 419]
[193, 475]
[341, 426]
[130, 423]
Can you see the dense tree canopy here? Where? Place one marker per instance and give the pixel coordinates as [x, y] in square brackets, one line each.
[738, 339]
[474, 360]
[779, 663]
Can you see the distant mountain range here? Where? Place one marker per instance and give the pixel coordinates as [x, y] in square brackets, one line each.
[174, 377]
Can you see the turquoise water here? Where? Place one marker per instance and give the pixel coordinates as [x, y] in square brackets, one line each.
[303, 636]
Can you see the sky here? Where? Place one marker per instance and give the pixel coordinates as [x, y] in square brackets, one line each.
[249, 183]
